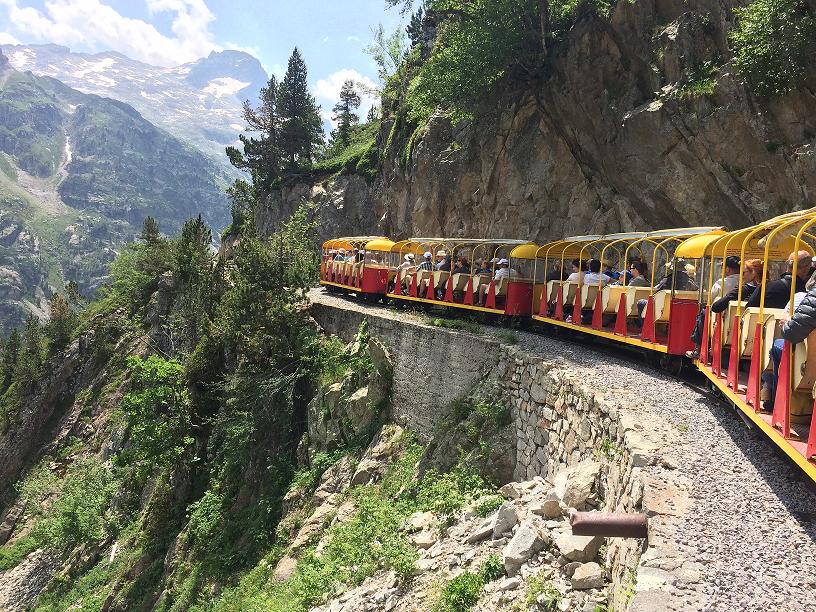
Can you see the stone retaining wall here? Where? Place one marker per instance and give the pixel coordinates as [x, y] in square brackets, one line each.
[558, 417]
[560, 421]
[432, 366]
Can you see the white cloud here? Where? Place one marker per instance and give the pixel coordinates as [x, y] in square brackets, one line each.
[326, 39]
[8, 39]
[327, 92]
[353, 38]
[95, 25]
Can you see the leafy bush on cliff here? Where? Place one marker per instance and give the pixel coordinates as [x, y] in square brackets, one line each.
[72, 510]
[774, 44]
[483, 41]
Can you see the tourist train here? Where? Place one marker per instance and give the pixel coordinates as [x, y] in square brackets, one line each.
[699, 295]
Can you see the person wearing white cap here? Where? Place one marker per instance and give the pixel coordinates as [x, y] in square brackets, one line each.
[341, 255]
[427, 264]
[503, 270]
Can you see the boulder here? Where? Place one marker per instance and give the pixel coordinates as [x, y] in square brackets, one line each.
[509, 584]
[512, 490]
[285, 568]
[574, 485]
[420, 521]
[526, 542]
[550, 507]
[425, 539]
[588, 576]
[358, 411]
[578, 548]
[506, 518]
[483, 531]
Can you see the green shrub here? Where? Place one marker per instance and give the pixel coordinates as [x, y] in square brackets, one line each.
[158, 414]
[461, 593]
[460, 324]
[73, 510]
[12, 554]
[489, 505]
[492, 569]
[773, 44]
[541, 590]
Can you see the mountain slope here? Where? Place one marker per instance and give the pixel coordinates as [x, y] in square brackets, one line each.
[199, 102]
[78, 175]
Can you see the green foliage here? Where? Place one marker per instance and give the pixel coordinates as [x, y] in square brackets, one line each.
[262, 156]
[462, 592]
[12, 554]
[157, 409]
[700, 82]
[539, 587]
[459, 324]
[360, 155]
[302, 129]
[774, 44]
[344, 113]
[489, 505]
[60, 325]
[73, 510]
[307, 478]
[492, 568]
[445, 493]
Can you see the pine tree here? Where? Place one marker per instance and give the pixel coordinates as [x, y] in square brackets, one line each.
[301, 127]
[373, 114]
[414, 28]
[193, 274]
[29, 364]
[58, 329]
[11, 355]
[151, 235]
[344, 113]
[261, 155]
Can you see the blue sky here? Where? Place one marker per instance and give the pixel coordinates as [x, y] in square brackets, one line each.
[331, 34]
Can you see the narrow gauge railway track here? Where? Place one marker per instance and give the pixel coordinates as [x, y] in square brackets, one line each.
[677, 284]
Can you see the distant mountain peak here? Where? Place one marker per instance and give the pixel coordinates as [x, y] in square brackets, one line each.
[236, 66]
[199, 102]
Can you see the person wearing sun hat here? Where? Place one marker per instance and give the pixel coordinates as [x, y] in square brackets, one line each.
[427, 264]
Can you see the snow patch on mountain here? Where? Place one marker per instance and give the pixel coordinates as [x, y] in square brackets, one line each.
[224, 86]
[200, 102]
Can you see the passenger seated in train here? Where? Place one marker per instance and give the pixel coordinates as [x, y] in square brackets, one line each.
[341, 255]
[777, 293]
[594, 275]
[637, 275]
[752, 275]
[556, 273]
[610, 271]
[682, 280]
[578, 268]
[426, 264]
[799, 327]
[731, 281]
[502, 271]
[444, 265]
[484, 267]
[461, 266]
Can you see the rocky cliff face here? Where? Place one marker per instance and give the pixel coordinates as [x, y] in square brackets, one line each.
[615, 138]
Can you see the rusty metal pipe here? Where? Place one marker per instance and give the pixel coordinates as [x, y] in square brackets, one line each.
[609, 524]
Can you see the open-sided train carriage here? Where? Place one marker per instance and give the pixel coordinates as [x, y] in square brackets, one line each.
[645, 316]
[358, 264]
[734, 353]
[475, 289]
